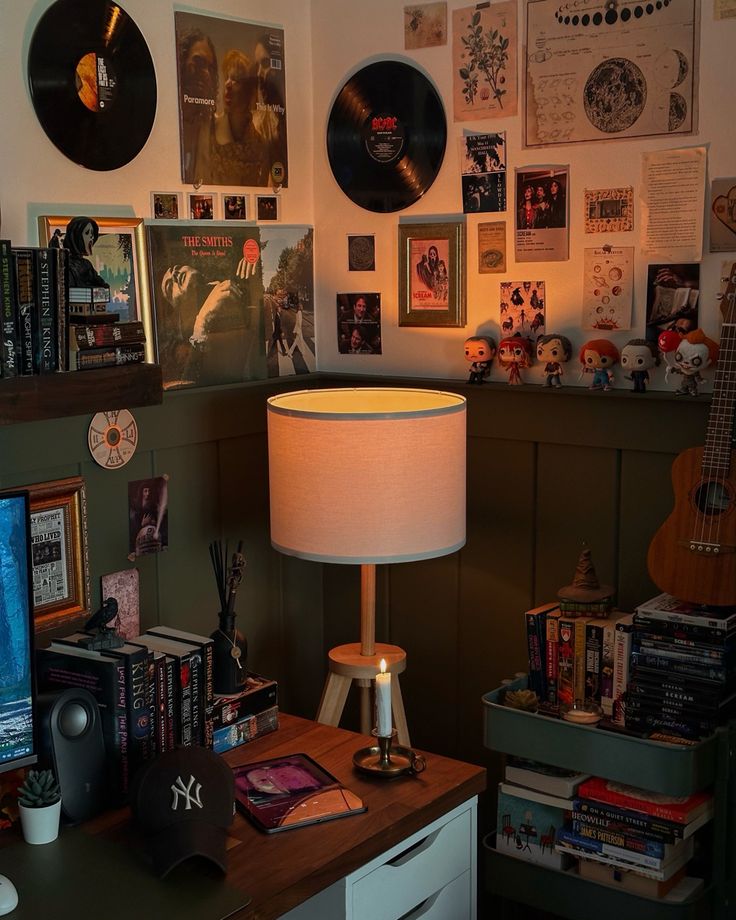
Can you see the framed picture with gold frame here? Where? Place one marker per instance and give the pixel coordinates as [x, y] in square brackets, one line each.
[59, 559]
[119, 255]
[432, 274]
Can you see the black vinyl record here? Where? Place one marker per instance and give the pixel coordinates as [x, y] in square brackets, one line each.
[92, 82]
[386, 136]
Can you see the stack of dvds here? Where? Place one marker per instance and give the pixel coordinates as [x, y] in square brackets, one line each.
[682, 681]
[617, 830]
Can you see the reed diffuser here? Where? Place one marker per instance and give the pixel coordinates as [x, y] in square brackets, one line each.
[230, 648]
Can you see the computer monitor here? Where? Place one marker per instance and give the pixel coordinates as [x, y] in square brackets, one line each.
[17, 671]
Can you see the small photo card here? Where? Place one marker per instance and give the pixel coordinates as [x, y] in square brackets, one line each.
[165, 205]
[234, 207]
[148, 516]
[267, 207]
[425, 25]
[201, 207]
[362, 253]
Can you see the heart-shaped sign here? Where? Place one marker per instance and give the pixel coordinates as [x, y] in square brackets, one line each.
[724, 208]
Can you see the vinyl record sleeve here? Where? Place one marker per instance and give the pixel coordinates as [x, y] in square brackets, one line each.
[291, 791]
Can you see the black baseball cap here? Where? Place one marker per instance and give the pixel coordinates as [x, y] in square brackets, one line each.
[184, 802]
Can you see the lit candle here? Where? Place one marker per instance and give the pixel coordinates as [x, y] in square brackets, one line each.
[383, 702]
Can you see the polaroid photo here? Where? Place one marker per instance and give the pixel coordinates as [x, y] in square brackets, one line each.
[267, 207]
[165, 205]
[234, 207]
[201, 207]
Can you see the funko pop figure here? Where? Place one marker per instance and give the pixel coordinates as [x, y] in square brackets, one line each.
[515, 352]
[554, 350]
[597, 358]
[694, 353]
[638, 356]
[480, 350]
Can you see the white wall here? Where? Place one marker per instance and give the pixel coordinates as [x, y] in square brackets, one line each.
[348, 35]
[36, 178]
[326, 42]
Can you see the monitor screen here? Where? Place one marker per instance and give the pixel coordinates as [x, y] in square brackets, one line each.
[17, 690]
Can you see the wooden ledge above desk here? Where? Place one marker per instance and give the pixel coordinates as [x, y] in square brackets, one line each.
[280, 871]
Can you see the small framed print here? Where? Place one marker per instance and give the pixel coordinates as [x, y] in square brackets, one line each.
[267, 207]
[59, 561]
[432, 274]
[165, 205]
[234, 207]
[201, 207]
[361, 253]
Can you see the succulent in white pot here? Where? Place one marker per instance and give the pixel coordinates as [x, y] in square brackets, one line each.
[39, 803]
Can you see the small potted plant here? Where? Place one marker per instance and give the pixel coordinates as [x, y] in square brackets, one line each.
[39, 803]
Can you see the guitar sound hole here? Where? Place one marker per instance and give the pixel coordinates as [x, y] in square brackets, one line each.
[712, 498]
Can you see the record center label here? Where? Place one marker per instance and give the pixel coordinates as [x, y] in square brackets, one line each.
[384, 137]
[95, 80]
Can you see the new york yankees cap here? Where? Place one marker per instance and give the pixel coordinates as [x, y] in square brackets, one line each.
[184, 802]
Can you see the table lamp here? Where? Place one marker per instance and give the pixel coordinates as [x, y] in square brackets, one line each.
[362, 477]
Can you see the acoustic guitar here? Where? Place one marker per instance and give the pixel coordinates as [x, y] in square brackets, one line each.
[693, 554]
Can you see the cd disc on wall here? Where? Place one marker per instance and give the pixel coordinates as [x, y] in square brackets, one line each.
[92, 82]
[386, 136]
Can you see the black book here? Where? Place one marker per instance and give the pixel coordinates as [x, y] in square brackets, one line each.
[182, 658]
[61, 288]
[46, 357]
[8, 319]
[25, 307]
[61, 666]
[138, 709]
[206, 647]
[111, 356]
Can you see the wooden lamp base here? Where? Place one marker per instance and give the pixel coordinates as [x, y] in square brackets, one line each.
[347, 664]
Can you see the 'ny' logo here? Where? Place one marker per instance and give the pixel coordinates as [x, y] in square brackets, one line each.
[179, 789]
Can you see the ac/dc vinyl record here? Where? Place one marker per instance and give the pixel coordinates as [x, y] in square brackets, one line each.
[92, 82]
[386, 136]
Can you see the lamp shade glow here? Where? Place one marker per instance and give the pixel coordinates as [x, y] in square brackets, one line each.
[367, 475]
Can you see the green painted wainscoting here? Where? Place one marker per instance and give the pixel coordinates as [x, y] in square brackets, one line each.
[547, 470]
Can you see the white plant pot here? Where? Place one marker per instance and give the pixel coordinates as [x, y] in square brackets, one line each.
[40, 825]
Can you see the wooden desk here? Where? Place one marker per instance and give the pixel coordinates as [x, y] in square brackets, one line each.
[281, 871]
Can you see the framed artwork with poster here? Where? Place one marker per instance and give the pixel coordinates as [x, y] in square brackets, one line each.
[432, 274]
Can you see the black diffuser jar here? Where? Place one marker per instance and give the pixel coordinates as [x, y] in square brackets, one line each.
[229, 657]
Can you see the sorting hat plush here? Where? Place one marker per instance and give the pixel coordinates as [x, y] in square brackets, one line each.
[184, 802]
[585, 587]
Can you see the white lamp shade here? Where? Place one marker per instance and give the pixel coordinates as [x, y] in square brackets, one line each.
[368, 475]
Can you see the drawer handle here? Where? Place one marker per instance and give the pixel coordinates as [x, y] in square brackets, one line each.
[411, 852]
[421, 910]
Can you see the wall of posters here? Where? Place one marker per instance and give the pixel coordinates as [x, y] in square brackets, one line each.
[597, 72]
[232, 102]
[484, 40]
[542, 214]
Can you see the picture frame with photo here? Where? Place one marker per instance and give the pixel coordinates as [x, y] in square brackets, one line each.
[120, 256]
[234, 206]
[432, 272]
[59, 556]
[165, 205]
[201, 206]
[267, 207]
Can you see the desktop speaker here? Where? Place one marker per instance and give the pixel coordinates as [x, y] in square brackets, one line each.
[71, 744]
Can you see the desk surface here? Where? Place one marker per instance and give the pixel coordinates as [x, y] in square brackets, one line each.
[279, 871]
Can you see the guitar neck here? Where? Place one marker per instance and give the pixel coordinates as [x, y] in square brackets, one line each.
[719, 435]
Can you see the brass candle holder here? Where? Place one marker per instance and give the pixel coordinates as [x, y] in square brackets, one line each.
[387, 759]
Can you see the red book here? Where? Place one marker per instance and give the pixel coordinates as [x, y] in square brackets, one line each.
[681, 809]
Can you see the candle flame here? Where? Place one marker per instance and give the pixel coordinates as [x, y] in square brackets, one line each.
[382, 665]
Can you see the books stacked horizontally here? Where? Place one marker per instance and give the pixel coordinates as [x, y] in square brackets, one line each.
[646, 835]
[155, 693]
[101, 341]
[682, 679]
[575, 657]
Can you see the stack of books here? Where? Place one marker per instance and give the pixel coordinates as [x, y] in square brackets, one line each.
[682, 680]
[644, 834]
[99, 340]
[155, 693]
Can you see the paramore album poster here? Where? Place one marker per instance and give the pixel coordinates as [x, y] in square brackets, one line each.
[232, 102]
[596, 71]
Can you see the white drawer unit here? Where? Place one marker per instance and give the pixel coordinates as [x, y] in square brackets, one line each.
[431, 875]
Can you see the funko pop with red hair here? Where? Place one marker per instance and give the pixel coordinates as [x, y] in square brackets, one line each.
[598, 357]
[694, 353]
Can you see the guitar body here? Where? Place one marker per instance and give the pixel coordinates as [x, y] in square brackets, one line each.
[693, 554]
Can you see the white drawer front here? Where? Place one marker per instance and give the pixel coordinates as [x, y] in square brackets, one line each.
[398, 886]
[450, 903]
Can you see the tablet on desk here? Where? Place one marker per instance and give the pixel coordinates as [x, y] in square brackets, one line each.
[291, 791]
